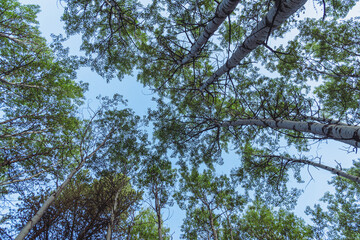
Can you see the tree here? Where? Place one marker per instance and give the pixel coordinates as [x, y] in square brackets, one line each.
[224, 9]
[280, 12]
[111, 46]
[224, 81]
[108, 126]
[214, 210]
[158, 179]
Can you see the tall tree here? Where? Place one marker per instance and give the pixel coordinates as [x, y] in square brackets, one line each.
[224, 9]
[145, 226]
[158, 179]
[276, 16]
[108, 126]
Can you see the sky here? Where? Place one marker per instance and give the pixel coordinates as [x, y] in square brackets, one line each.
[139, 99]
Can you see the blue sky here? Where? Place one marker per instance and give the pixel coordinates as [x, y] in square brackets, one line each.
[139, 99]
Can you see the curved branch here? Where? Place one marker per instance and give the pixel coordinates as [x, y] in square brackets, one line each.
[319, 165]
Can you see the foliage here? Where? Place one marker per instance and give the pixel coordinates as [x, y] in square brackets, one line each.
[157, 178]
[262, 222]
[110, 45]
[39, 98]
[306, 70]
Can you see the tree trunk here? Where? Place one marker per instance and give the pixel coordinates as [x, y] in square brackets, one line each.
[36, 218]
[343, 133]
[112, 218]
[158, 213]
[225, 8]
[212, 226]
[276, 16]
[230, 227]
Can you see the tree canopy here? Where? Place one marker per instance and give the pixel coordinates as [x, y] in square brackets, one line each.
[265, 81]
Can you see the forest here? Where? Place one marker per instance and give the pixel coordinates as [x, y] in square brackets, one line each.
[253, 87]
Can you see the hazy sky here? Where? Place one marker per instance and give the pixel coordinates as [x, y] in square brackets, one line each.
[140, 99]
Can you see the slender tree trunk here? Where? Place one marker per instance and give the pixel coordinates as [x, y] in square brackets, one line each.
[319, 165]
[112, 218]
[36, 218]
[213, 226]
[230, 227]
[225, 8]
[343, 133]
[158, 212]
[109, 231]
[275, 17]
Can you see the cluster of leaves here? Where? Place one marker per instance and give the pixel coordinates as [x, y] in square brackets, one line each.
[39, 98]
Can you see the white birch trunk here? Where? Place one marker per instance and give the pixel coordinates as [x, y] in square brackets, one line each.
[225, 8]
[345, 133]
[36, 218]
[275, 17]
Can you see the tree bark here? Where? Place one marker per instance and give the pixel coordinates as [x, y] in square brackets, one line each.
[344, 133]
[36, 218]
[275, 17]
[225, 8]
